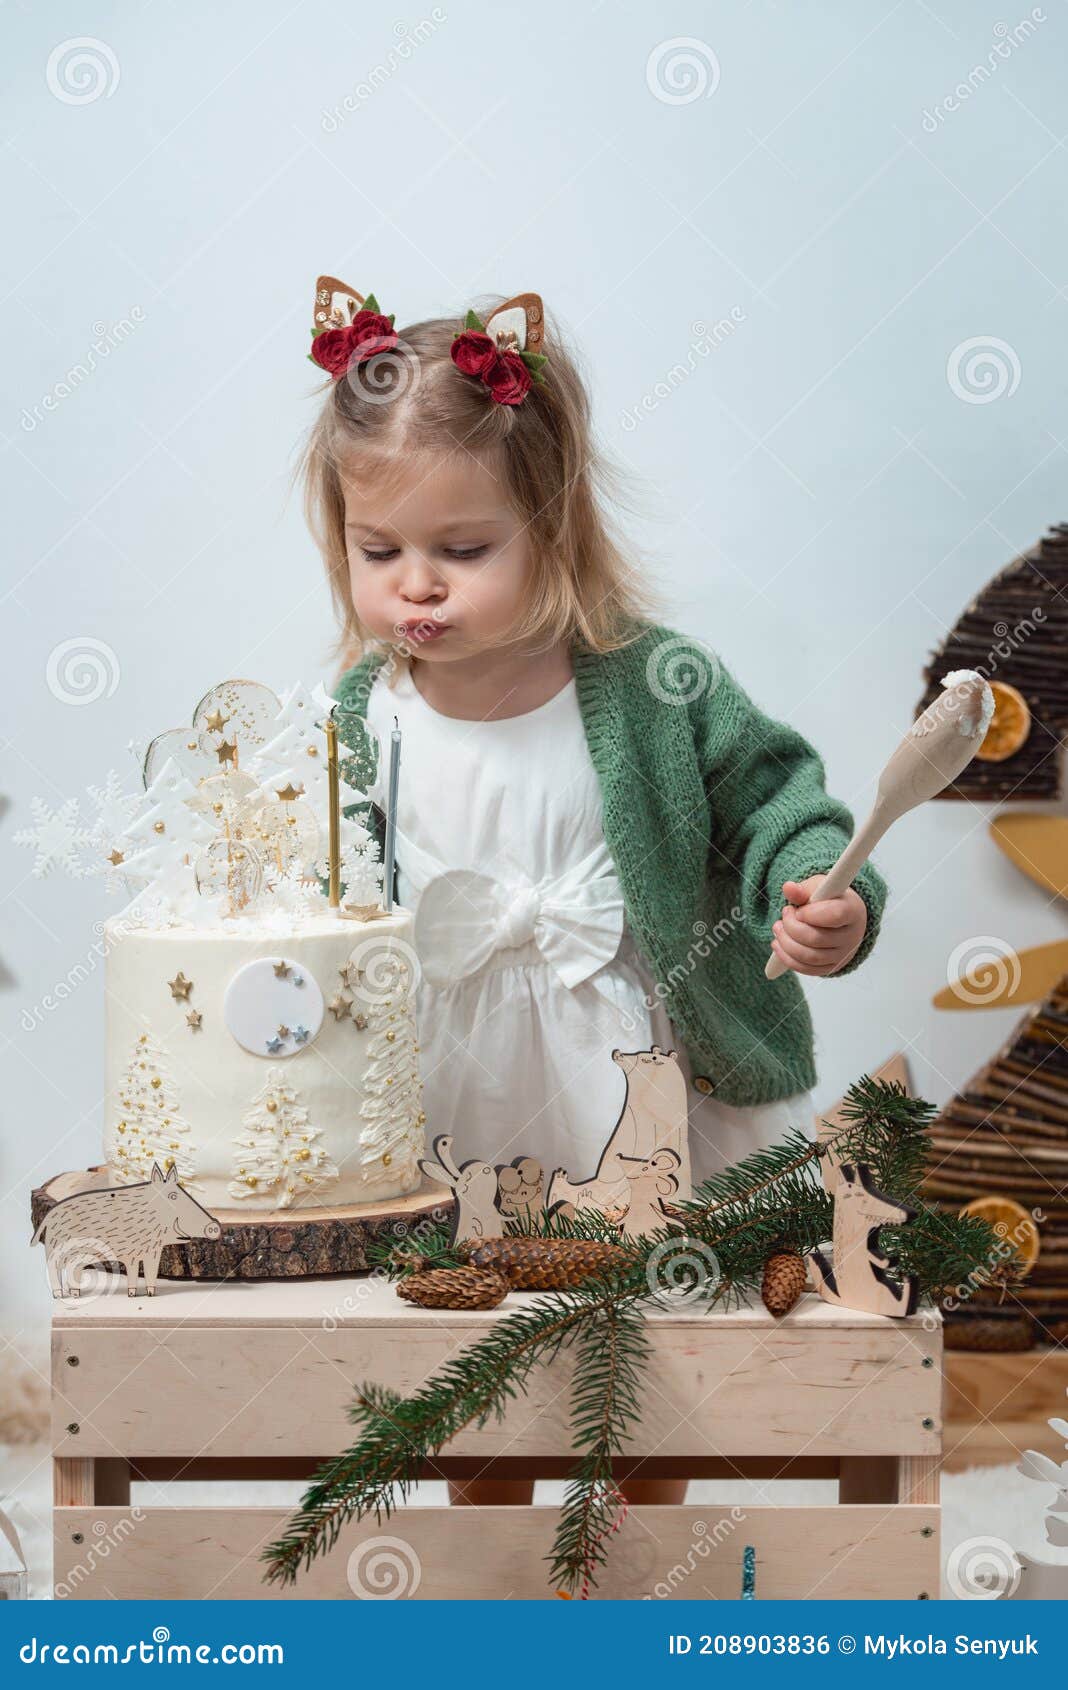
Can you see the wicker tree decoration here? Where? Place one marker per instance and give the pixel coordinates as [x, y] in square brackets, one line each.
[1014, 632]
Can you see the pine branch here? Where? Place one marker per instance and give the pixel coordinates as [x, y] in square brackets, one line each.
[612, 1349]
[400, 1434]
[713, 1247]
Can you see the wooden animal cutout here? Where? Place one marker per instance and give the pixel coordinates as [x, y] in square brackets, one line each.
[654, 1183]
[519, 324]
[1045, 1581]
[831, 1122]
[124, 1223]
[653, 1117]
[520, 1188]
[860, 1275]
[474, 1185]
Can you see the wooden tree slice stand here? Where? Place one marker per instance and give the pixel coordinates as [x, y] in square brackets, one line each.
[285, 1244]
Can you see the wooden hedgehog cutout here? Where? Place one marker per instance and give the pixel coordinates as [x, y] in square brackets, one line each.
[129, 1224]
[645, 1161]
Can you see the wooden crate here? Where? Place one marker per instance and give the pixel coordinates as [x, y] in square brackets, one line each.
[251, 1381]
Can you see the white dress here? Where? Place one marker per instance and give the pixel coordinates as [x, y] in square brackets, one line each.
[530, 977]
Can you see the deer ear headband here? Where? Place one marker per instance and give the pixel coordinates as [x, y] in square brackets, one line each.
[504, 353]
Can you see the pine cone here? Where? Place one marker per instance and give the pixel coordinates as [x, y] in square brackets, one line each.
[543, 1264]
[454, 1288]
[785, 1277]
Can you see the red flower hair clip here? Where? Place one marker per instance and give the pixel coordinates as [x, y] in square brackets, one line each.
[347, 327]
[504, 353]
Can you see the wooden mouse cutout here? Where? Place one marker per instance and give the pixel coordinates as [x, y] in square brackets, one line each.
[860, 1275]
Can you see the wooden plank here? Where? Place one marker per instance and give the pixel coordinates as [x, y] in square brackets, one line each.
[685, 1553]
[72, 1480]
[713, 1389]
[918, 1478]
[329, 1305]
[167, 1469]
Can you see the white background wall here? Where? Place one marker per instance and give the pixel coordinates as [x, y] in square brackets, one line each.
[818, 502]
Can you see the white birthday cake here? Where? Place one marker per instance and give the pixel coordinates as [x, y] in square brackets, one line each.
[260, 1034]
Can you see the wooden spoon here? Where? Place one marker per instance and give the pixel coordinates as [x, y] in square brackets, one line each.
[939, 744]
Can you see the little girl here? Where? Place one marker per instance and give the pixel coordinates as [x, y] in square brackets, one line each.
[597, 829]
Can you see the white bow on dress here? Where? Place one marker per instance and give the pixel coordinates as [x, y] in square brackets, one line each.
[463, 917]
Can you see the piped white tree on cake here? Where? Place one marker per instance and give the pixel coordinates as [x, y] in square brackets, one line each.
[392, 1106]
[149, 1126]
[278, 1155]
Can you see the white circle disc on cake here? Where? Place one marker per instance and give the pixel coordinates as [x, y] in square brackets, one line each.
[273, 1007]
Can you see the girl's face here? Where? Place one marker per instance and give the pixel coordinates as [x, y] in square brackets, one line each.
[440, 562]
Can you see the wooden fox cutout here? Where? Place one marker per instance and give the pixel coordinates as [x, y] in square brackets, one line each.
[860, 1276]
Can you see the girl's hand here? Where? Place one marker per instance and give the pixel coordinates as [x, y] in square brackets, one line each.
[817, 938]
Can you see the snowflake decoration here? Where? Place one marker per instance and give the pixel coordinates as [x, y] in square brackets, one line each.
[115, 811]
[56, 836]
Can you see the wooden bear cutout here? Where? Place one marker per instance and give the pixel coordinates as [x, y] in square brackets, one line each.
[653, 1118]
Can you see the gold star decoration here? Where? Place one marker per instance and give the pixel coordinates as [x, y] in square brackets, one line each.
[350, 974]
[116, 857]
[194, 1019]
[360, 1020]
[180, 986]
[216, 721]
[281, 969]
[289, 794]
[339, 1006]
[226, 752]
[283, 1032]
[366, 912]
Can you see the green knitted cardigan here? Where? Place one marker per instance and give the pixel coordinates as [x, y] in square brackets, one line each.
[708, 807]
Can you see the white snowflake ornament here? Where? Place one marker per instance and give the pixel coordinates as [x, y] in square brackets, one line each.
[56, 836]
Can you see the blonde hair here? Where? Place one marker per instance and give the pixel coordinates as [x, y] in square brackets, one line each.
[413, 402]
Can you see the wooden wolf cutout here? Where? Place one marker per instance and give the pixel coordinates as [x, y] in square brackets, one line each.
[860, 1275]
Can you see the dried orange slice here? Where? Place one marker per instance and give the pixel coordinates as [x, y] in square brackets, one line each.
[1010, 725]
[1012, 1223]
